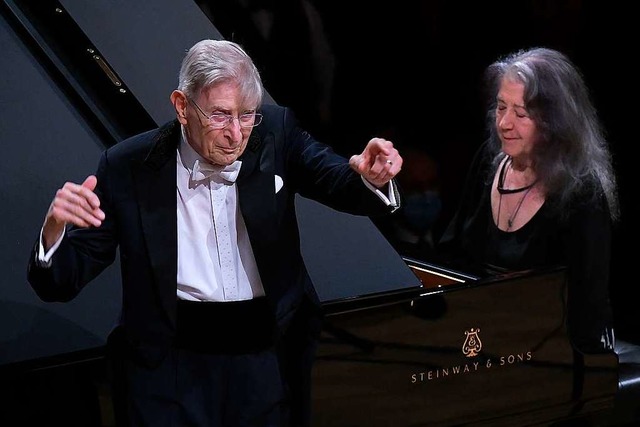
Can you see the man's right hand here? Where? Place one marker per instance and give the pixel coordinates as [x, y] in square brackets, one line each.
[75, 204]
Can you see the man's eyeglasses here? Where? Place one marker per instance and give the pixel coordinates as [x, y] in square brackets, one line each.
[220, 120]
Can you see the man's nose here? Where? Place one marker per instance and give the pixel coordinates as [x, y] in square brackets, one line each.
[235, 128]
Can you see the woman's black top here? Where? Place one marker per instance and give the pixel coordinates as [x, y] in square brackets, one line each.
[578, 238]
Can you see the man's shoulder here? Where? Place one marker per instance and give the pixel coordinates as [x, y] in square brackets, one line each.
[277, 118]
[142, 143]
[134, 143]
[270, 111]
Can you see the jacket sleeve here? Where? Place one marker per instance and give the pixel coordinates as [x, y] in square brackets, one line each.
[82, 255]
[321, 174]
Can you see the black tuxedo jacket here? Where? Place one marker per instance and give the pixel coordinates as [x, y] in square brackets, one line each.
[137, 189]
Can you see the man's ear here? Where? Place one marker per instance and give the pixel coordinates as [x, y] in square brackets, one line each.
[179, 101]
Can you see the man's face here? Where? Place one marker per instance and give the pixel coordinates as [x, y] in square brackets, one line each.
[220, 146]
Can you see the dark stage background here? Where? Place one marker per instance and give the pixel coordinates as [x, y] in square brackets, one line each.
[411, 72]
[408, 71]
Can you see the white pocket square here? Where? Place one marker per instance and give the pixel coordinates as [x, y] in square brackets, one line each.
[279, 183]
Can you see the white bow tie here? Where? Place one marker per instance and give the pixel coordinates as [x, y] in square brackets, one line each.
[203, 170]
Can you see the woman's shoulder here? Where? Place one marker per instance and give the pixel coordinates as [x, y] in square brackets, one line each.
[483, 163]
[589, 193]
[585, 201]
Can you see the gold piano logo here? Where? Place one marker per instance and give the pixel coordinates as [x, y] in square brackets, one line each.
[471, 348]
[472, 344]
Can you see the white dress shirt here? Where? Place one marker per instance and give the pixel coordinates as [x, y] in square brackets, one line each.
[215, 259]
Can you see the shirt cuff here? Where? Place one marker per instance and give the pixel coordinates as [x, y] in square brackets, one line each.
[391, 199]
[44, 259]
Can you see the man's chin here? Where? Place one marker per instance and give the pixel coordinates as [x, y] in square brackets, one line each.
[225, 160]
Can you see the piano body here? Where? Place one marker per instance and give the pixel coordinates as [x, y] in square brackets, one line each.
[405, 343]
[459, 350]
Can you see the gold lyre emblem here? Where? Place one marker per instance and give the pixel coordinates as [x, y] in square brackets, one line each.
[472, 344]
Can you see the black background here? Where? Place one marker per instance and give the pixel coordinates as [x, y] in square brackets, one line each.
[411, 72]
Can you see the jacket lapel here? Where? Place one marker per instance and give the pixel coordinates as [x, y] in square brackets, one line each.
[155, 183]
[256, 192]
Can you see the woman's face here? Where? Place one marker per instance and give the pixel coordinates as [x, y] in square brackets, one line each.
[516, 128]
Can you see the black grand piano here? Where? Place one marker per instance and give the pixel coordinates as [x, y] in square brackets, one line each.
[459, 350]
[405, 342]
